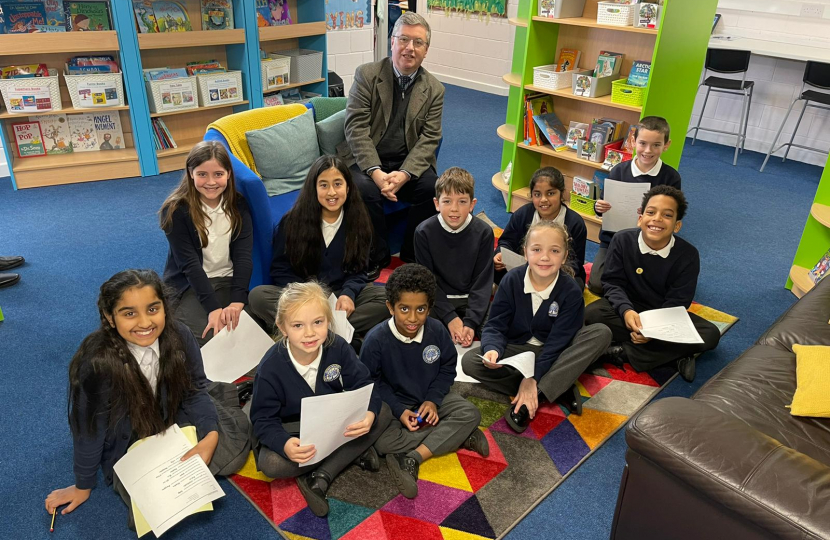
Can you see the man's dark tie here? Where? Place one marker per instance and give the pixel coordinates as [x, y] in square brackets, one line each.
[404, 80]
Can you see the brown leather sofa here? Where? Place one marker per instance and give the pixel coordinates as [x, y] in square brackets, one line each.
[731, 462]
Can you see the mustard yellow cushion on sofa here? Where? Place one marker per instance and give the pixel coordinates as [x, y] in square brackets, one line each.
[812, 372]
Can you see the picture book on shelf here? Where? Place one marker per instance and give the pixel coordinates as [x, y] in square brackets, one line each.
[279, 12]
[145, 16]
[108, 130]
[82, 133]
[263, 14]
[87, 16]
[589, 150]
[629, 144]
[584, 187]
[582, 86]
[553, 130]
[599, 182]
[217, 14]
[23, 17]
[647, 15]
[171, 16]
[612, 159]
[55, 131]
[547, 8]
[606, 65]
[568, 59]
[28, 139]
[54, 14]
[638, 76]
[820, 269]
[537, 104]
[577, 131]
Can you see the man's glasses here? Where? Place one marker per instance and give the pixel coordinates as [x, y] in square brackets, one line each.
[418, 43]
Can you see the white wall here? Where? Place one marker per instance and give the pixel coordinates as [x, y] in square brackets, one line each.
[777, 83]
[348, 49]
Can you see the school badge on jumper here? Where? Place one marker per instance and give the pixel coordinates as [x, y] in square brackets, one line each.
[431, 354]
[332, 373]
[554, 310]
[639, 270]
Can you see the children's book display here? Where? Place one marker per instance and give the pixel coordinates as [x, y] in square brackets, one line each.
[648, 15]
[161, 16]
[162, 138]
[608, 63]
[600, 133]
[87, 16]
[820, 269]
[217, 15]
[577, 131]
[55, 131]
[28, 139]
[638, 76]
[568, 59]
[55, 16]
[553, 130]
[535, 105]
[273, 13]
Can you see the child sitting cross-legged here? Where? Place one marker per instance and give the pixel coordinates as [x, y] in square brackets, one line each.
[457, 248]
[413, 362]
[651, 268]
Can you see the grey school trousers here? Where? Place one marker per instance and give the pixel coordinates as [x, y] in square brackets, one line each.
[369, 306]
[194, 316]
[457, 419]
[595, 280]
[588, 345]
[274, 465]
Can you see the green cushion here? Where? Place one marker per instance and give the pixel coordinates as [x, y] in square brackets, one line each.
[326, 106]
[331, 132]
[284, 152]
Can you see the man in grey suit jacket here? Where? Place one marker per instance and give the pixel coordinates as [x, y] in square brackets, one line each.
[393, 128]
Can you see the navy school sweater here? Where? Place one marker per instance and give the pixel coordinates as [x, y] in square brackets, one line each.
[668, 176]
[183, 268]
[512, 319]
[519, 223]
[331, 265]
[279, 389]
[661, 283]
[109, 444]
[409, 374]
[462, 264]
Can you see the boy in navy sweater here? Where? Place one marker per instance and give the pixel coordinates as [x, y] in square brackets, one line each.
[457, 247]
[651, 268]
[651, 140]
[413, 363]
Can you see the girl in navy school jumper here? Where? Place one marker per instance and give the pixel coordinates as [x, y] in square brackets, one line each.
[546, 189]
[539, 308]
[324, 237]
[134, 377]
[310, 360]
[209, 229]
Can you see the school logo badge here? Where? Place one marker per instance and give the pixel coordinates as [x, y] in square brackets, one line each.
[554, 310]
[332, 373]
[431, 354]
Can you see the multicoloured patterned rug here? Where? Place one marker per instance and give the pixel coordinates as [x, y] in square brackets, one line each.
[461, 496]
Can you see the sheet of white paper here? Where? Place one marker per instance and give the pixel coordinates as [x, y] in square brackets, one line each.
[511, 259]
[460, 376]
[230, 355]
[525, 362]
[625, 199]
[342, 326]
[669, 324]
[323, 419]
[165, 489]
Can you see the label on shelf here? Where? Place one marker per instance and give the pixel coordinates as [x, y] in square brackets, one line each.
[175, 95]
[98, 94]
[225, 89]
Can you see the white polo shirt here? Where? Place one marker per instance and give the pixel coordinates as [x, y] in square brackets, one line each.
[330, 229]
[645, 250]
[635, 171]
[400, 337]
[216, 256]
[537, 297]
[560, 217]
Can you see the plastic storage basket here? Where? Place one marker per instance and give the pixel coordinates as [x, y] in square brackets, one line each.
[616, 14]
[561, 9]
[220, 88]
[625, 94]
[276, 71]
[306, 65]
[581, 204]
[617, 145]
[95, 90]
[548, 77]
[33, 95]
[170, 95]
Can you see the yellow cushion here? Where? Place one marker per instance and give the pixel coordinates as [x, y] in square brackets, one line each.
[812, 394]
[234, 126]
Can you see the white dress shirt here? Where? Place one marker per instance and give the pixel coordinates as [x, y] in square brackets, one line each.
[560, 217]
[216, 256]
[148, 361]
[537, 297]
[330, 229]
[450, 229]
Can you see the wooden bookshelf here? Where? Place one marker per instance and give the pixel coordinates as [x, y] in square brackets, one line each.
[202, 38]
[821, 212]
[198, 109]
[515, 21]
[292, 31]
[292, 85]
[507, 132]
[75, 167]
[67, 109]
[173, 159]
[567, 93]
[513, 79]
[565, 155]
[592, 23]
[57, 42]
[802, 284]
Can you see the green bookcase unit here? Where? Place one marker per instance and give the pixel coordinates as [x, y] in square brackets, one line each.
[815, 241]
[676, 50]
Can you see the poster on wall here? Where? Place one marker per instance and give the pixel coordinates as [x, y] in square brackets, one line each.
[348, 14]
[482, 8]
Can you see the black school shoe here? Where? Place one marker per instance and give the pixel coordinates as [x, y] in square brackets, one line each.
[368, 460]
[404, 470]
[686, 368]
[7, 280]
[614, 355]
[245, 390]
[313, 492]
[518, 421]
[477, 442]
[7, 263]
[572, 401]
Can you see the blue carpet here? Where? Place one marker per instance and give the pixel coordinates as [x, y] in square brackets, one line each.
[745, 224]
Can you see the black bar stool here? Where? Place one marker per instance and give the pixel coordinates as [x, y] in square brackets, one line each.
[816, 74]
[727, 61]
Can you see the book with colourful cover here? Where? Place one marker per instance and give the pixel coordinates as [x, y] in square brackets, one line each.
[629, 143]
[28, 139]
[171, 16]
[55, 16]
[547, 8]
[582, 86]
[638, 76]
[280, 15]
[605, 66]
[568, 59]
[820, 269]
[599, 182]
[553, 130]
[55, 131]
[577, 131]
[537, 104]
[166, 133]
[162, 74]
[263, 14]
[145, 16]
[87, 16]
[23, 17]
[647, 15]
[82, 133]
[108, 130]
[217, 15]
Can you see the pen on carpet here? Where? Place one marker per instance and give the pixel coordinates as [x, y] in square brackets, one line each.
[54, 513]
